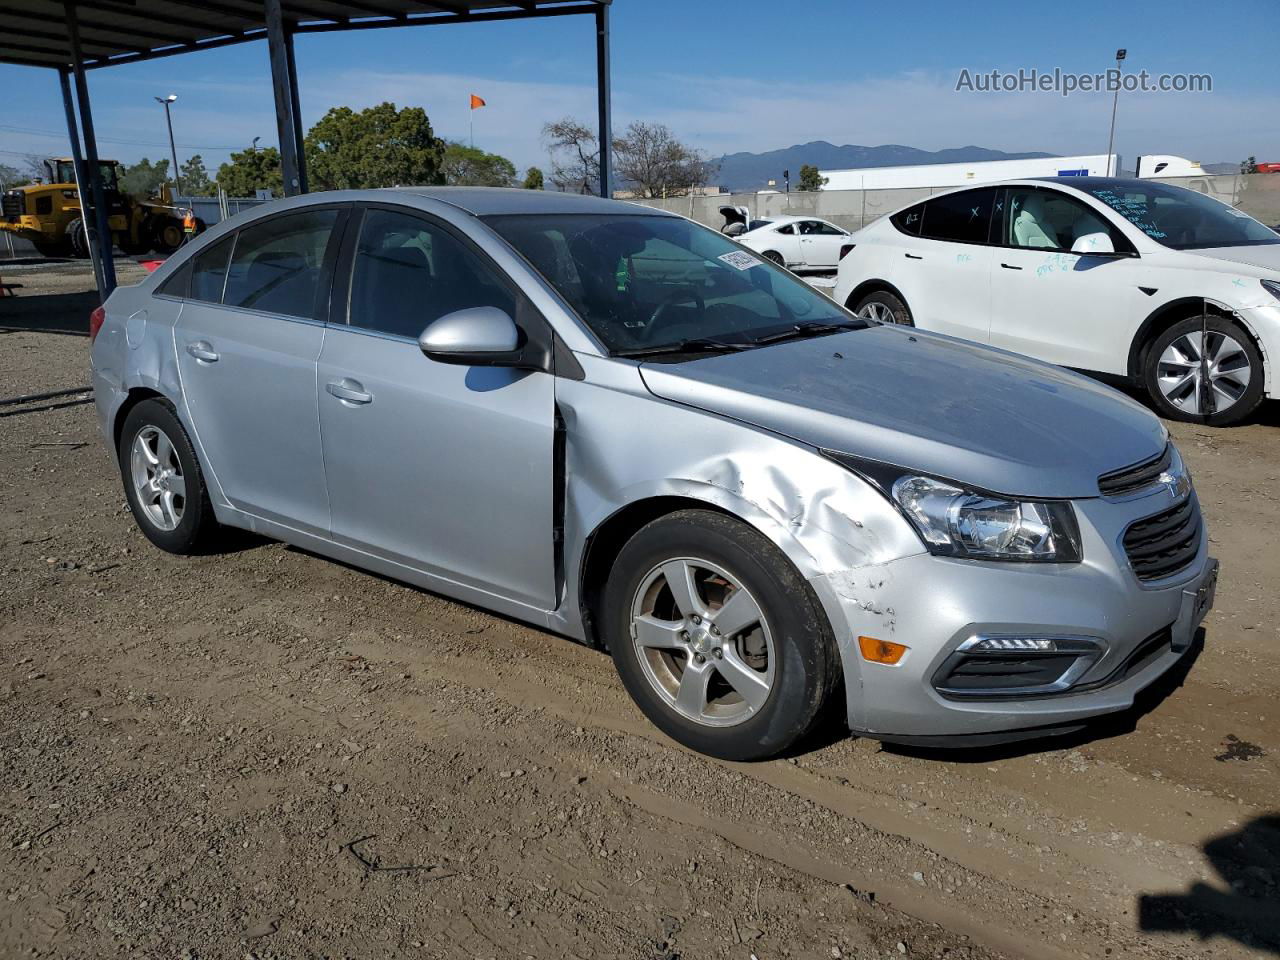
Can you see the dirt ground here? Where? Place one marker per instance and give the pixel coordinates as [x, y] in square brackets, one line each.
[261, 753]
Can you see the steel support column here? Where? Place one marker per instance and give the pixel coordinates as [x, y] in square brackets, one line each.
[297, 112]
[77, 161]
[282, 82]
[99, 251]
[604, 99]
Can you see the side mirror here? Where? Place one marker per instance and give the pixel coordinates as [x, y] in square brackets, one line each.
[1094, 243]
[476, 336]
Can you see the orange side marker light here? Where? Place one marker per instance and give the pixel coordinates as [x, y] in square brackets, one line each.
[881, 651]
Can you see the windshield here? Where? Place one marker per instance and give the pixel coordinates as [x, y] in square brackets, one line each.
[1183, 219]
[66, 173]
[649, 283]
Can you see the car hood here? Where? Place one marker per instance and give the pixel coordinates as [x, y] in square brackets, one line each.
[958, 410]
[1264, 256]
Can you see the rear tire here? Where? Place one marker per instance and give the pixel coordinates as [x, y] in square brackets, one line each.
[748, 637]
[1200, 357]
[773, 256]
[884, 307]
[163, 480]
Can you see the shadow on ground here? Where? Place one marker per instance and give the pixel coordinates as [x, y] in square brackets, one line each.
[49, 313]
[1247, 911]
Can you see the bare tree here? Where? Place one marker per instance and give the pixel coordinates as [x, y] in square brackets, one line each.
[575, 156]
[656, 164]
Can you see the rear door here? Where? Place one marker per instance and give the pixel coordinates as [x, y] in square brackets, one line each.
[247, 342]
[950, 267]
[820, 244]
[446, 469]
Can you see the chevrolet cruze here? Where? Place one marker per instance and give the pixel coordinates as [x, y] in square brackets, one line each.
[623, 427]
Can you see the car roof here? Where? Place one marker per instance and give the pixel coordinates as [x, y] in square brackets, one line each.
[494, 201]
[791, 218]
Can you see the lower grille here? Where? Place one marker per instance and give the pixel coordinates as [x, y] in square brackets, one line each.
[1162, 545]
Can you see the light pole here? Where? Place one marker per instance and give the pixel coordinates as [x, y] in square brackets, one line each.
[173, 150]
[253, 147]
[1111, 139]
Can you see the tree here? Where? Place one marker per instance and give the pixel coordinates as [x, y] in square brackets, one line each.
[144, 178]
[533, 179]
[656, 164]
[251, 170]
[195, 178]
[1250, 165]
[472, 167]
[575, 156]
[10, 177]
[810, 179]
[377, 147]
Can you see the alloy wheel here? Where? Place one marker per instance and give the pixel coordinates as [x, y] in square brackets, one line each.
[877, 312]
[1203, 372]
[157, 478]
[703, 642]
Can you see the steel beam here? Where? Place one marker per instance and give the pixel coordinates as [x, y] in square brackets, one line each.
[604, 101]
[77, 160]
[286, 126]
[101, 250]
[296, 111]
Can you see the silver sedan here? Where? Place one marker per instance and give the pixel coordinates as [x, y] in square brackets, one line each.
[623, 427]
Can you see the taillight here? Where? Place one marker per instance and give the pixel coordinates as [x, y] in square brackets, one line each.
[95, 322]
[845, 248]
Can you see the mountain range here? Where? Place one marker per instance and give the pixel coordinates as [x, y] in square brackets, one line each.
[752, 171]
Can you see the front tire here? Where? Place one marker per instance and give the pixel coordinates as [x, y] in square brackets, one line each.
[78, 238]
[163, 480]
[717, 637]
[884, 307]
[1205, 369]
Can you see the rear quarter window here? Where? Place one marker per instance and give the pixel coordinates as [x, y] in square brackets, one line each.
[908, 221]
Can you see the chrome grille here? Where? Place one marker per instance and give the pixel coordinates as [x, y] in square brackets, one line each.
[1161, 545]
[1118, 483]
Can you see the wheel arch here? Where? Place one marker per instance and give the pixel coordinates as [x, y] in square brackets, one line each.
[602, 546]
[873, 285]
[134, 397]
[1175, 311]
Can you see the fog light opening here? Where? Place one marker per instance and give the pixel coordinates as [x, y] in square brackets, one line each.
[881, 651]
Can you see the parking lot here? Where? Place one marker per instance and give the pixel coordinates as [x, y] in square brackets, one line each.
[263, 753]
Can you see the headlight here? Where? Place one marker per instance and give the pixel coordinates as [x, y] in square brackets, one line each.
[957, 522]
[1272, 287]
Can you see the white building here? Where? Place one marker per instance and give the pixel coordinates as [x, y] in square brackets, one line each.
[963, 174]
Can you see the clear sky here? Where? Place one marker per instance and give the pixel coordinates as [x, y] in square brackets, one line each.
[726, 75]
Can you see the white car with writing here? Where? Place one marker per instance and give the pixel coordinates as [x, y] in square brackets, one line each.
[798, 243]
[1163, 286]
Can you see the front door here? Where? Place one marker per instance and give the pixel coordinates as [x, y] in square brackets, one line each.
[445, 469]
[1055, 305]
[247, 342]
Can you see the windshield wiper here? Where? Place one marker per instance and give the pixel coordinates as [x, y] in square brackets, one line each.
[802, 330]
[692, 345]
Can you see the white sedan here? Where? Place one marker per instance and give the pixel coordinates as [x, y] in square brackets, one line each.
[1162, 286]
[799, 243]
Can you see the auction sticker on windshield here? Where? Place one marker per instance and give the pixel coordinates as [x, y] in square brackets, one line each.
[740, 259]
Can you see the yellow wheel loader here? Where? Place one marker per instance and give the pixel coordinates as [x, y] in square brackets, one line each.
[48, 213]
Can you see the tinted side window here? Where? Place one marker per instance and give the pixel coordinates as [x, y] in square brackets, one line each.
[789, 230]
[278, 266]
[408, 272]
[179, 284]
[828, 230]
[209, 271]
[908, 220]
[960, 217]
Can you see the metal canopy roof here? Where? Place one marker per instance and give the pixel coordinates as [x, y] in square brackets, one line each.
[35, 32]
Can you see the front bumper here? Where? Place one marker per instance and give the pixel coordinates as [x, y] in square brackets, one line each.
[933, 605]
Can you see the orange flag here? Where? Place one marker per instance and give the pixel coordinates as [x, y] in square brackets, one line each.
[476, 102]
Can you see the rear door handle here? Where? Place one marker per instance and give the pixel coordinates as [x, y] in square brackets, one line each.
[349, 391]
[912, 256]
[1010, 266]
[203, 351]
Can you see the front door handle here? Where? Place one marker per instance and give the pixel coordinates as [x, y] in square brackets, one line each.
[203, 351]
[1010, 266]
[349, 391]
[912, 256]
